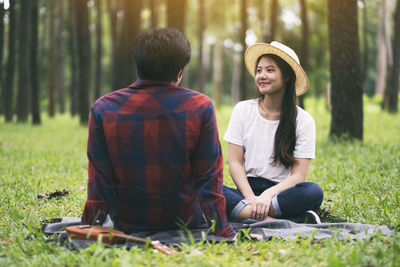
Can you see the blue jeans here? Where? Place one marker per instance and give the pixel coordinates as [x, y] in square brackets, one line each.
[288, 203]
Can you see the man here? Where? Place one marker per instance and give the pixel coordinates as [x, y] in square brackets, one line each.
[153, 148]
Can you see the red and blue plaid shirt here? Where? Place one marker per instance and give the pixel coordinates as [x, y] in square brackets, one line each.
[155, 159]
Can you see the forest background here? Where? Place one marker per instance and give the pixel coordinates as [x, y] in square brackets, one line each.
[59, 56]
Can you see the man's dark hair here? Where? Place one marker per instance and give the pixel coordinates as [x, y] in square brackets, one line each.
[160, 53]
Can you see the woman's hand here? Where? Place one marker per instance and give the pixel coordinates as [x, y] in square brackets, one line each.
[260, 206]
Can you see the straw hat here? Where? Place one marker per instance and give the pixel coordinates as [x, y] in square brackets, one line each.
[286, 53]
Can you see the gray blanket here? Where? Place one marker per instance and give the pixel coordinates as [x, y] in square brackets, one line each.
[275, 228]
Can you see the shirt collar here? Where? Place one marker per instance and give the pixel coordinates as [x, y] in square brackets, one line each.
[141, 84]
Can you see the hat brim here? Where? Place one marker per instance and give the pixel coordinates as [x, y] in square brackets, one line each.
[255, 51]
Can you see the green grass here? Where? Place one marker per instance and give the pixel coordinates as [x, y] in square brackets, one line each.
[361, 181]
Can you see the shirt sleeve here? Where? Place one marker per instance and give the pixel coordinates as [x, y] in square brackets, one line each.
[100, 174]
[305, 138]
[208, 174]
[234, 132]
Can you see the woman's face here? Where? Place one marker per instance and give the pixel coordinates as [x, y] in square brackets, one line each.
[268, 77]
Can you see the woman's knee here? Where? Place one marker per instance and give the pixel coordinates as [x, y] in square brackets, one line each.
[317, 192]
[314, 191]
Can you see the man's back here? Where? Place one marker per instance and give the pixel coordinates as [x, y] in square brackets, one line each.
[154, 157]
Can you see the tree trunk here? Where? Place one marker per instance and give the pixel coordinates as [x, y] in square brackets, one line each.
[218, 74]
[73, 51]
[125, 64]
[154, 13]
[24, 82]
[201, 77]
[382, 48]
[52, 60]
[365, 53]
[391, 96]
[305, 35]
[2, 12]
[10, 71]
[83, 46]
[176, 14]
[243, 70]
[60, 57]
[99, 49]
[34, 63]
[274, 20]
[261, 14]
[346, 93]
[113, 7]
[237, 65]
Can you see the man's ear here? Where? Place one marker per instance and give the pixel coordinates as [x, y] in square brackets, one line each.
[178, 78]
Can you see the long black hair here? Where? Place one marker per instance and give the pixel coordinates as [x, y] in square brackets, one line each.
[285, 136]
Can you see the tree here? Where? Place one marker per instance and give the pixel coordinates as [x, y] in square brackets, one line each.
[218, 72]
[201, 77]
[392, 86]
[274, 11]
[73, 58]
[113, 7]
[154, 13]
[83, 48]
[176, 14]
[243, 70]
[10, 71]
[60, 68]
[365, 52]
[125, 64]
[305, 35]
[99, 34]
[346, 93]
[52, 60]
[2, 12]
[384, 49]
[34, 63]
[24, 81]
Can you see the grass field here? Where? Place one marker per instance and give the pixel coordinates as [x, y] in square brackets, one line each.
[361, 181]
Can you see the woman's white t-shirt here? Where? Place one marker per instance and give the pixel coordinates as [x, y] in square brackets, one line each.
[247, 128]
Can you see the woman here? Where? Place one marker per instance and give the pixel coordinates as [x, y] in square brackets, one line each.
[271, 142]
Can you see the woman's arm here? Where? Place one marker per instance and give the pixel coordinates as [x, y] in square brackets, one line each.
[236, 169]
[261, 206]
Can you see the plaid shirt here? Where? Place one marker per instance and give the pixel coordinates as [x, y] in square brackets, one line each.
[155, 159]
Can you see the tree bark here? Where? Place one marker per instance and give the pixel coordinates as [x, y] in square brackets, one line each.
[274, 20]
[60, 82]
[218, 74]
[304, 43]
[52, 60]
[99, 49]
[125, 63]
[243, 70]
[237, 65]
[2, 12]
[10, 71]
[113, 7]
[83, 46]
[383, 49]
[154, 13]
[201, 77]
[73, 61]
[365, 53]
[346, 93]
[24, 82]
[176, 14]
[391, 95]
[34, 63]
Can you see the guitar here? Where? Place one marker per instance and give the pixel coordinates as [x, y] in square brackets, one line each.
[111, 236]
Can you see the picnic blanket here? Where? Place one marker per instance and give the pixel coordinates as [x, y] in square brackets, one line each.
[267, 229]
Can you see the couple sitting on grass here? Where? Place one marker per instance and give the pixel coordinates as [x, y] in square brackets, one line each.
[154, 153]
